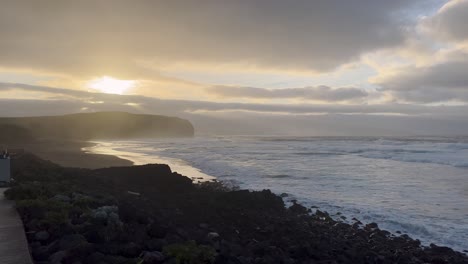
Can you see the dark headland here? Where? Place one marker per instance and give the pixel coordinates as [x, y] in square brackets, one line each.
[61, 138]
[100, 125]
[149, 214]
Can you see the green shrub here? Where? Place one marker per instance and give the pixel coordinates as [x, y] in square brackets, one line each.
[86, 203]
[55, 218]
[25, 192]
[50, 212]
[54, 205]
[31, 209]
[190, 253]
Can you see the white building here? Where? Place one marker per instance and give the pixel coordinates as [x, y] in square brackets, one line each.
[5, 170]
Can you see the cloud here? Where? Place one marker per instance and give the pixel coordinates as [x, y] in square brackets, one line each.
[433, 62]
[436, 121]
[449, 23]
[101, 102]
[439, 82]
[37, 88]
[319, 93]
[250, 118]
[121, 38]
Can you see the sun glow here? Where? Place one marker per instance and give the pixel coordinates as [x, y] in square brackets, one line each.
[111, 85]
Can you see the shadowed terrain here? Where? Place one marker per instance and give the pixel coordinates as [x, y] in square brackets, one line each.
[148, 214]
[99, 125]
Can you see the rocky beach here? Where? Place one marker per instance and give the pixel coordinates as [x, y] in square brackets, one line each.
[149, 214]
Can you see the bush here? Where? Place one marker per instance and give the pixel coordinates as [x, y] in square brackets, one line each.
[86, 203]
[190, 253]
[31, 209]
[55, 218]
[50, 212]
[25, 192]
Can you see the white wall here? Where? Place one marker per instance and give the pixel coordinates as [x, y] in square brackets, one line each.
[4, 170]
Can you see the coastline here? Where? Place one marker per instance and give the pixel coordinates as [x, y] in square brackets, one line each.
[92, 217]
[142, 154]
[98, 154]
[179, 166]
[70, 154]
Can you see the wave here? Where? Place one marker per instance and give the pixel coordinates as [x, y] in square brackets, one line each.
[318, 153]
[454, 160]
[343, 175]
[278, 176]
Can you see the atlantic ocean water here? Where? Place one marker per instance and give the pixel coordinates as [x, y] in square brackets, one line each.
[414, 185]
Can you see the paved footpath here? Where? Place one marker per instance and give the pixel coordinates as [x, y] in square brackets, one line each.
[13, 244]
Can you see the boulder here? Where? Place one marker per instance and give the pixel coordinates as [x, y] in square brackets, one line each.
[57, 257]
[157, 231]
[213, 236]
[371, 226]
[153, 257]
[42, 236]
[156, 244]
[131, 250]
[40, 253]
[71, 241]
[96, 257]
[61, 198]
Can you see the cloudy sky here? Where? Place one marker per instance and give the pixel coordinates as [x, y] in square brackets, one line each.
[325, 67]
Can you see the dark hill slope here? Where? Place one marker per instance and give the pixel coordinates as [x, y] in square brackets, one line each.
[102, 125]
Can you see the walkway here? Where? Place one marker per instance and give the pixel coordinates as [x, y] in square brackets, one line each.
[13, 244]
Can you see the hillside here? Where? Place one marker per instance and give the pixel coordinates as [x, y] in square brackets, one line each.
[15, 134]
[101, 125]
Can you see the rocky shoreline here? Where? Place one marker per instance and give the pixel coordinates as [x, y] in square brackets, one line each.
[148, 214]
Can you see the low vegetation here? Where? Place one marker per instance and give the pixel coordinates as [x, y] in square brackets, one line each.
[89, 216]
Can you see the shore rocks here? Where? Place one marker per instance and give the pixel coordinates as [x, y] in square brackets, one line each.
[57, 257]
[173, 220]
[154, 257]
[42, 236]
[213, 236]
[61, 198]
[71, 241]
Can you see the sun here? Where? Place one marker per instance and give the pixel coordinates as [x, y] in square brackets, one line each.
[111, 85]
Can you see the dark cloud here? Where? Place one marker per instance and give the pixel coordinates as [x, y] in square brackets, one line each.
[113, 37]
[320, 93]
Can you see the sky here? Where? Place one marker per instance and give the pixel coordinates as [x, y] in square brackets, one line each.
[324, 67]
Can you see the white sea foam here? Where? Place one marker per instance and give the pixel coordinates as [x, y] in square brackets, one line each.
[418, 186]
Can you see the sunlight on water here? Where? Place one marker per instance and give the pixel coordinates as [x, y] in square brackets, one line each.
[176, 165]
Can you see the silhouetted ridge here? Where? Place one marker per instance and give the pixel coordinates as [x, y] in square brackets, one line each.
[15, 134]
[102, 125]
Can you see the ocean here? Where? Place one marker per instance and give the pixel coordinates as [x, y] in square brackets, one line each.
[415, 185]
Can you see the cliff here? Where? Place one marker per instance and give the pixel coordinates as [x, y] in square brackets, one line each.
[101, 125]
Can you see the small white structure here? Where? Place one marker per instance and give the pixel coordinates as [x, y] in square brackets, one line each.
[4, 170]
[5, 167]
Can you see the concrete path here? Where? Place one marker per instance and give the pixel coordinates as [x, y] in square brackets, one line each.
[13, 244]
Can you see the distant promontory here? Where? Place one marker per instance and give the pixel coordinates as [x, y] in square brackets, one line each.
[98, 125]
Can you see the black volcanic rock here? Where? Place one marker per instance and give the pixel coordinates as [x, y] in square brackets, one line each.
[99, 125]
[147, 177]
[172, 219]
